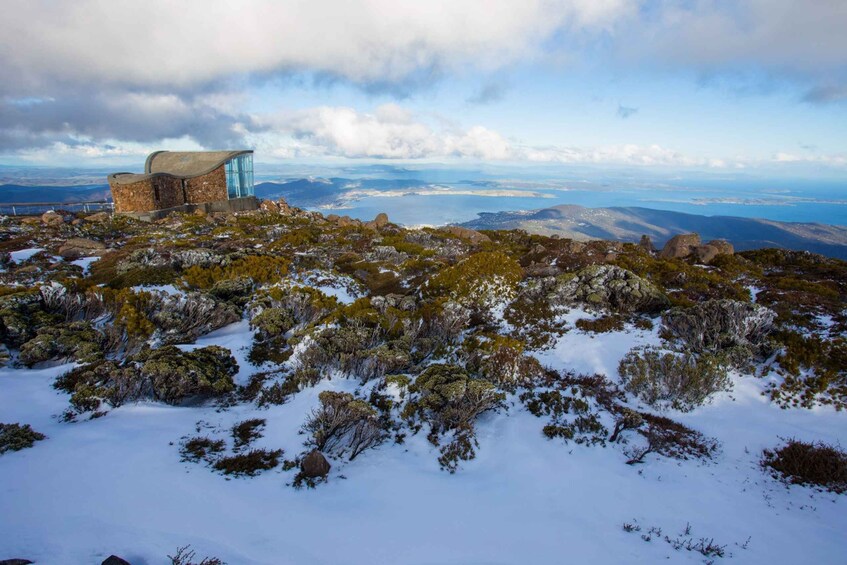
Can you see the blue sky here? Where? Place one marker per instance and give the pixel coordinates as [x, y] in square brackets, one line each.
[691, 84]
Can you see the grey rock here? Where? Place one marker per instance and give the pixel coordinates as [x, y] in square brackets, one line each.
[718, 325]
[115, 560]
[608, 287]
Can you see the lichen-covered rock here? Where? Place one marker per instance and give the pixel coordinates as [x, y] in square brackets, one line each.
[21, 315]
[78, 341]
[315, 465]
[680, 246]
[717, 325]
[608, 287]
[79, 246]
[386, 254]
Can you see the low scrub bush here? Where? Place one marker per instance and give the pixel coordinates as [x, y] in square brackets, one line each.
[809, 463]
[343, 424]
[601, 325]
[249, 463]
[672, 380]
[246, 432]
[201, 448]
[14, 437]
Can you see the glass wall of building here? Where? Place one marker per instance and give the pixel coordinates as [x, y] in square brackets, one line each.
[239, 176]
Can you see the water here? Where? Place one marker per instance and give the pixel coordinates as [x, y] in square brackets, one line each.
[438, 195]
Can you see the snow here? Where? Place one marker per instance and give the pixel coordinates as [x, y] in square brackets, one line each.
[24, 255]
[85, 263]
[116, 484]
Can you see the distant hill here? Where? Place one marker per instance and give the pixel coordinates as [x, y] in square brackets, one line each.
[629, 224]
[16, 193]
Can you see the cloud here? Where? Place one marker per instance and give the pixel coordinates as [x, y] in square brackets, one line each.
[625, 112]
[803, 40]
[488, 94]
[159, 43]
[826, 94]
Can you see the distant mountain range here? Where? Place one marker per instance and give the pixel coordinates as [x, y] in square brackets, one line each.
[17, 193]
[629, 224]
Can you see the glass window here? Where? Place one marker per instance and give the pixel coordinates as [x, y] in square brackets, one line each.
[239, 176]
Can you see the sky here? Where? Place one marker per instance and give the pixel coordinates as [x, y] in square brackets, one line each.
[713, 85]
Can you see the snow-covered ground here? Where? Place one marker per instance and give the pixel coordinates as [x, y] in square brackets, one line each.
[116, 485]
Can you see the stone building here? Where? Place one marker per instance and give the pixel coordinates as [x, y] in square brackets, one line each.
[185, 181]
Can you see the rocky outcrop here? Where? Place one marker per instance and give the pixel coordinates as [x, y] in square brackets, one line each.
[379, 222]
[80, 247]
[680, 246]
[315, 465]
[717, 325]
[115, 560]
[343, 221]
[608, 287]
[646, 244]
[471, 235]
[277, 207]
[52, 218]
[686, 245]
[98, 217]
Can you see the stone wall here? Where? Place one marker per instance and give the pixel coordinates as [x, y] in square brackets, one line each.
[210, 187]
[153, 193]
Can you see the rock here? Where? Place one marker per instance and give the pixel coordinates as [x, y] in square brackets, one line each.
[31, 220]
[705, 253]
[608, 287]
[343, 221]
[98, 217]
[379, 222]
[79, 246]
[646, 244]
[52, 218]
[717, 325]
[471, 235]
[115, 560]
[315, 465]
[277, 207]
[723, 246]
[680, 246]
[15, 561]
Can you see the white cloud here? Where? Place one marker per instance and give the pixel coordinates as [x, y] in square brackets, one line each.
[163, 43]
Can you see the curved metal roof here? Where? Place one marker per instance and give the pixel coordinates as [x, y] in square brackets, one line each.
[179, 164]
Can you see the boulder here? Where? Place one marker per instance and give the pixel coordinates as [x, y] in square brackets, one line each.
[115, 560]
[723, 246]
[717, 325]
[705, 253]
[608, 287]
[379, 222]
[471, 235]
[680, 246]
[343, 221]
[276, 207]
[646, 244]
[315, 465]
[98, 217]
[31, 220]
[52, 218]
[79, 246]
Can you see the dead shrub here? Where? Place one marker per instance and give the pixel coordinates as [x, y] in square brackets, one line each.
[809, 463]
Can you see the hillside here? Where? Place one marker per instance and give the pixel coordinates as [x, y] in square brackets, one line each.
[280, 387]
[629, 224]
